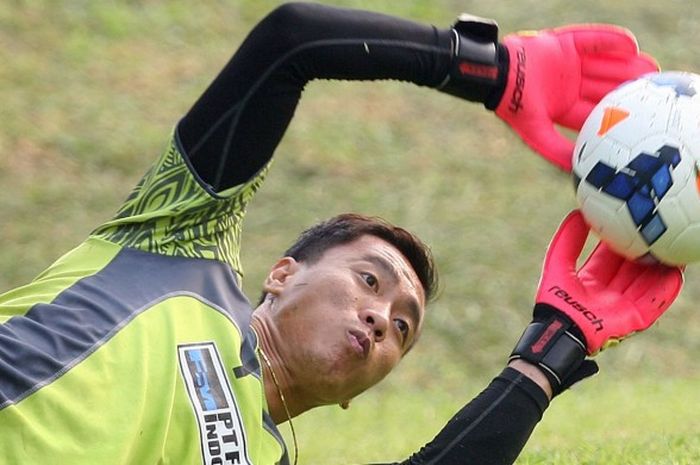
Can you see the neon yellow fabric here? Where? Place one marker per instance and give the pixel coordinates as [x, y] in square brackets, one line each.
[85, 260]
[105, 411]
[96, 369]
[171, 213]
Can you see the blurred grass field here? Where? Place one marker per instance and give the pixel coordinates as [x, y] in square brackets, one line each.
[89, 90]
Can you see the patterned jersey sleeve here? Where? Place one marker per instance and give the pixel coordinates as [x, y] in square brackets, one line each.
[171, 212]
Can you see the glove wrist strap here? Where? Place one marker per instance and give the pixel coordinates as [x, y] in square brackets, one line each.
[479, 63]
[551, 345]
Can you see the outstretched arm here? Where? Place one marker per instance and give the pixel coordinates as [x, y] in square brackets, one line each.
[578, 312]
[532, 82]
[492, 429]
[233, 129]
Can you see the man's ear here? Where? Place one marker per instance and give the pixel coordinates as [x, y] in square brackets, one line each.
[279, 274]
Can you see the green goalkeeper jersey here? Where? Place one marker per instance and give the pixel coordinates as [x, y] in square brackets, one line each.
[136, 346]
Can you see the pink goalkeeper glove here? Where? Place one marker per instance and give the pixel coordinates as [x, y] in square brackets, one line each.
[609, 298]
[580, 311]
[557, 76]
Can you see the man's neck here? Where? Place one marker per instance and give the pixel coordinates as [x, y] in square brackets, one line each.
[281, 402]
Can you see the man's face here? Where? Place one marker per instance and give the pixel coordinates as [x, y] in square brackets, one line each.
[345, 321]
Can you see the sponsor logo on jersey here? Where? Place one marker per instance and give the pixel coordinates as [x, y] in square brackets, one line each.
[218, 417]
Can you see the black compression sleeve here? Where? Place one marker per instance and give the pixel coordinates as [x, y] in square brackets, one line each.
[234, 127]
[492, 429]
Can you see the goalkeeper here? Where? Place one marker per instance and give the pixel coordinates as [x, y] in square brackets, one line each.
[139, 347]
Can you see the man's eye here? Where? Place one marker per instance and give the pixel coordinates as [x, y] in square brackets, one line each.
[370, 279]
[402, 327]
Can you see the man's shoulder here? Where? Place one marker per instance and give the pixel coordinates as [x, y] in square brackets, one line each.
[172, 212]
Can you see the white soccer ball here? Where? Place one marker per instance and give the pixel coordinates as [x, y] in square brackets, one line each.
[636, 168]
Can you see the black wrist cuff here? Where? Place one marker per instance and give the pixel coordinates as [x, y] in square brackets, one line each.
[552, 345]
[479, 63]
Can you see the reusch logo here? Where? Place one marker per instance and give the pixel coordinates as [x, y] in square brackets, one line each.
[516, 97]
[589, 315]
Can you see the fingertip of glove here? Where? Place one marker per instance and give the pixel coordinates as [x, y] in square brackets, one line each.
[650, 62]
[673, 274]
[566, 244]
[576, 217]
[551, 145]
[679, 279]
[604, 38]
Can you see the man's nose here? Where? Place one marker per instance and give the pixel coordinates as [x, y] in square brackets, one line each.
[377, 318]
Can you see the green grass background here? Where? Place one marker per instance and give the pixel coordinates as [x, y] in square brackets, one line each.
[89, 90]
